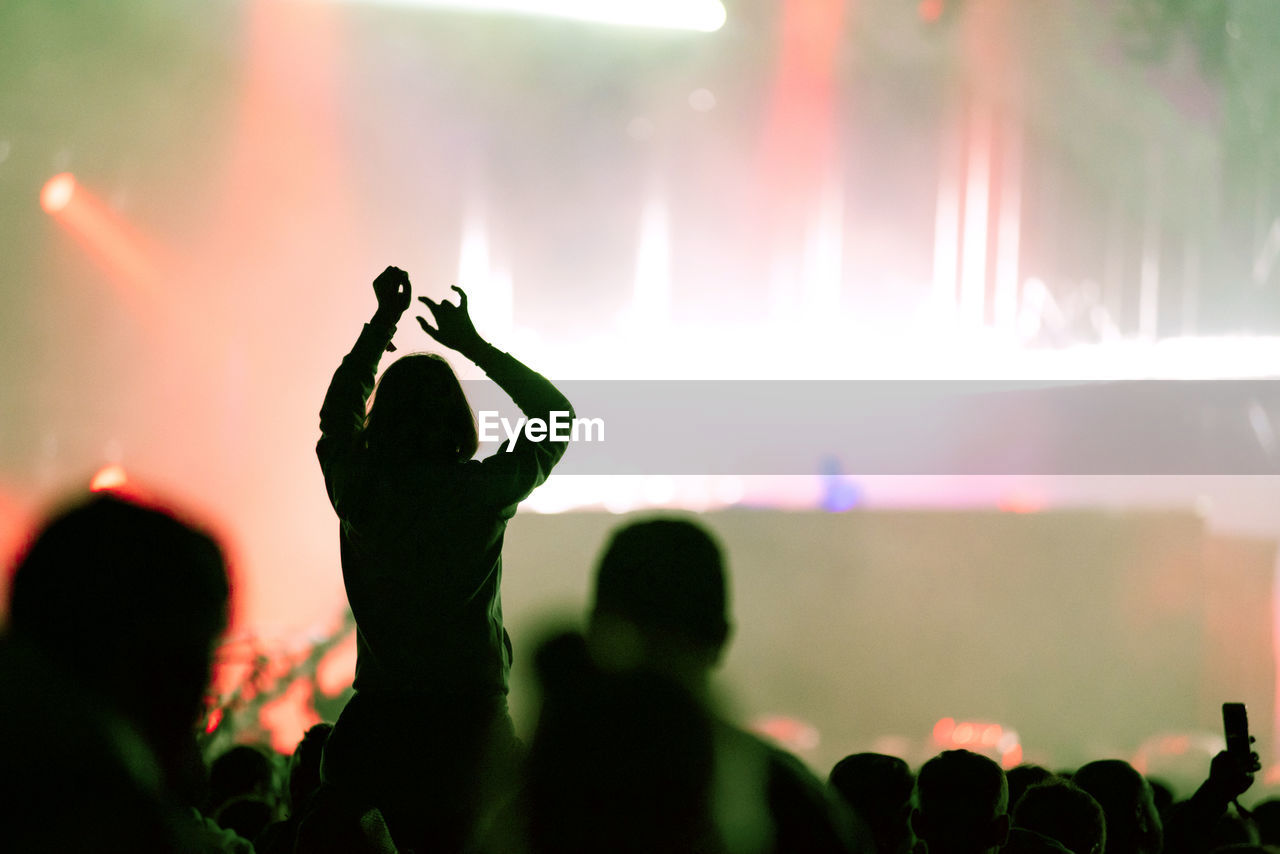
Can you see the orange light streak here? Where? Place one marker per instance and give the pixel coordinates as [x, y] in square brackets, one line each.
[118, 247]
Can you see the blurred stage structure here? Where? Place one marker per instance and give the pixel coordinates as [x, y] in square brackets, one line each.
[194, 196]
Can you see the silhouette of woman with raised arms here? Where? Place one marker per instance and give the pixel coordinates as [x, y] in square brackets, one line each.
[421, 533]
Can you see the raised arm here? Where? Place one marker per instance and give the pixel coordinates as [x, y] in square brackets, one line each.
[509, 477]
[343, 410]
[1189, 825]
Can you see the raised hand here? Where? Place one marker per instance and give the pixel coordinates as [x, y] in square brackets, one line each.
[1232, 774]
[453, 327]
[393, 291]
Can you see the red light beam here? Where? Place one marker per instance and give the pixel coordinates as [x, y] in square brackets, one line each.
[117, 247]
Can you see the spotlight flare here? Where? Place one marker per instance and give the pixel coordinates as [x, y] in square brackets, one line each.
[57, 192]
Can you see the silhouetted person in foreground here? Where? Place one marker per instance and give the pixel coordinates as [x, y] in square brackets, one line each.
[114, 612]
[962, 804]
[422, 524]
[1133, 824]
[620, 761]
[661, 606]
[879, 789]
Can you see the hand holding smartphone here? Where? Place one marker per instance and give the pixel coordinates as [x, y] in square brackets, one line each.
[1232, 770]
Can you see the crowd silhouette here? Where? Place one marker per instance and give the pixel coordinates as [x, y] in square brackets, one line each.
[116, 607]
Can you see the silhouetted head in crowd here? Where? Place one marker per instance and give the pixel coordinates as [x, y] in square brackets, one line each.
[619, 761]
[129, 602]
[304, 766]
[661, 600]
[962, 804]
[660, 616]
[420, 411]
[1133, 825]
[243, 770]
[1024, 777]
[1064, 812]
[879, 789]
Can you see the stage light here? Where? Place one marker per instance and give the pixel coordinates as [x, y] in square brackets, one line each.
[701, 15]
[108, 478]
[57, 192]
[651, 299]
[1021, 503]
[1011, 758]
[215, 720]
[125, 254]
[794, 734]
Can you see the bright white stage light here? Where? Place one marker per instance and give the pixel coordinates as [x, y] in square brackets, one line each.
[57, 192]
[703, 15]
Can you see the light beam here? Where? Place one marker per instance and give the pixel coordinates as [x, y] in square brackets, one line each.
[115, 244]
[700, 15]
